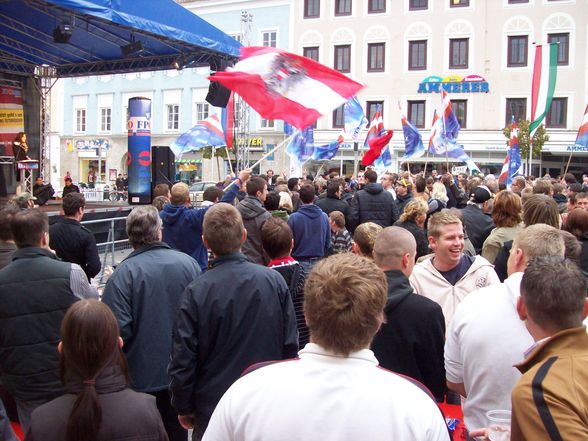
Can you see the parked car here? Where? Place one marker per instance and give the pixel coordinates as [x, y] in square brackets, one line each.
[197, 191]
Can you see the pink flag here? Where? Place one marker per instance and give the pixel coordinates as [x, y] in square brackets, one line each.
[281, 85]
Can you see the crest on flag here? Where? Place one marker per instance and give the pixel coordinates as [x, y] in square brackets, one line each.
[285, 73]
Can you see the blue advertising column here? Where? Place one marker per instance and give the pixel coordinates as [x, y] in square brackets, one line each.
[139, 145]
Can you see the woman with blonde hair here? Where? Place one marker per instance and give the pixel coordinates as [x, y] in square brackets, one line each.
[507, 215]
[439, 198]
[98, 405]
[413, 219]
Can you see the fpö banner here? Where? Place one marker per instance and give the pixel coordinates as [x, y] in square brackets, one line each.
[139, 155]
[11, 117]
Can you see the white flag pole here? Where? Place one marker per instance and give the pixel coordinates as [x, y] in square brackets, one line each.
[284, 142]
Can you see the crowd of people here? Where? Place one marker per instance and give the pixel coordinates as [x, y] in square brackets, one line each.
[321, 308]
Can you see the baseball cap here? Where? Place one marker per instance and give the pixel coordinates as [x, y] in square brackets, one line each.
[23, 198]
[481, 194]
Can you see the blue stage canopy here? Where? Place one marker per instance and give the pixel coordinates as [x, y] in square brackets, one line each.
[89, 37]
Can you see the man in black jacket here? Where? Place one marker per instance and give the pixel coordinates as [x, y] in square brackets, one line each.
[477, 221]
[72, 241]
[372, 204]
[333, 200]
[411, 340]
[234, 315]
[36, 289]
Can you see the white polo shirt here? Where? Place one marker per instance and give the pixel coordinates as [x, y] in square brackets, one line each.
[325, 397]
[485, 339]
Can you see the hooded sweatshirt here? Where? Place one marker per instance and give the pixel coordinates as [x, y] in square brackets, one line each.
[182, 228]
[429, 282]
[311, 232]
[412, 339]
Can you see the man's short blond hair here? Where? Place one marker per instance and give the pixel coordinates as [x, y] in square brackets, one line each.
[540, 240]
[344, 299]
[223, 229]
[439, 220]
[180, 194]
[365, 237]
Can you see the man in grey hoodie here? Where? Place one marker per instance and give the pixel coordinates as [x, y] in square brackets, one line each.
[254, 215]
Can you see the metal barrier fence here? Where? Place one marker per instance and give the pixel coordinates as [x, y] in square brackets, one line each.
[113, 251]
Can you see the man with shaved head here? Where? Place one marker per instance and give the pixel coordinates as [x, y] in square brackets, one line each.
[411, 340]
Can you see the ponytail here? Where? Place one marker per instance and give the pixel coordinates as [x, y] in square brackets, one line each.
[86, 415]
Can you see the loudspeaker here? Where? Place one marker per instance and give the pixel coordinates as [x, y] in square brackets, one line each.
[218, 95]
[163, 167]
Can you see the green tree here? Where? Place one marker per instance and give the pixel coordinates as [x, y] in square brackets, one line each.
[540, 137]
[218, 152]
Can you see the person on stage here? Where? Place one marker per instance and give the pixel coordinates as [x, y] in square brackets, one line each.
[20, 147]
[20, 150]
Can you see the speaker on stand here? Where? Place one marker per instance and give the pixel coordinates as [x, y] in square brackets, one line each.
[163, 167]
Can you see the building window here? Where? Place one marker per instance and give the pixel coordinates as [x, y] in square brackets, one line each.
[372, 107]
[105, 119]
[342, 7]
[81, 120]
[417, 55]
[312, 8]
[338, 118]
[418, 5]
[557, 114]
[173, 117]
[516, 107]
[268, 123]
[416, 113]
[517, 51]
[311, 52]
[376, 57]
[458, 3]
[376, 6]
[460, 108]
[563, 47]
[202, 111]
[514, 2]
[269, 39]
[343, 58]
[458, 53]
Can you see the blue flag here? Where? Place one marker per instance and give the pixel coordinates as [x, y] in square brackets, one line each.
[301, 146]
[327, 151]
[207, 133]
[413, 141]
[354, 117]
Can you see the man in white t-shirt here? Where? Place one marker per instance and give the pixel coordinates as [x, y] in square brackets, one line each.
[486, 337]
[335, 390]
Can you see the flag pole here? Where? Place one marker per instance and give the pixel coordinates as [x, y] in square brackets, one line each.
[268, 153]
[568, 164]
[445, 136]
[229, 159]
[426, 161]
[355, 158]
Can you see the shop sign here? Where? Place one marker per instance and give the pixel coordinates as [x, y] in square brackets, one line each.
[454, 84]
[250, 142]
[577, 148]
[92, 144]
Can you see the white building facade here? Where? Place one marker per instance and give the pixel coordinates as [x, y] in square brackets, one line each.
[395, 46]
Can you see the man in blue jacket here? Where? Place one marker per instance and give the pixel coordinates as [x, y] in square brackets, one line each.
[182, 225]
[311, 230]
[236, 314]
[144, 294]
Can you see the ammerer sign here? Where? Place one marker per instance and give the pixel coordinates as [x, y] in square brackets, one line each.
[454, 84]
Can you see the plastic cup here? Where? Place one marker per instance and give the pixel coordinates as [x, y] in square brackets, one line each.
[498, 425]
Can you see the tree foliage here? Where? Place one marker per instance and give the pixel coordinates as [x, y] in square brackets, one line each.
[218, 152]
[540, 137]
